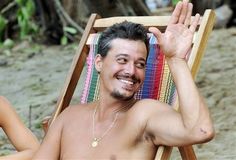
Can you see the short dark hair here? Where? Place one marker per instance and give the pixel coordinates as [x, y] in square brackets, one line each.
[123, 30]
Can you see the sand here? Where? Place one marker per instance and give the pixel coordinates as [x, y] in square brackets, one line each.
[217, 83]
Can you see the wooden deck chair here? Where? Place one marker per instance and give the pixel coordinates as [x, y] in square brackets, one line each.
[96, 24]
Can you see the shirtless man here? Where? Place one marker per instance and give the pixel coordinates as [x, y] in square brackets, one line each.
[118, 127]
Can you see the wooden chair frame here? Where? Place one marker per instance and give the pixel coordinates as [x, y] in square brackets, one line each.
[96, 23]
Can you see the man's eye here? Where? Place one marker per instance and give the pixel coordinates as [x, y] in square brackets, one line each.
[140, 65]
[121, 60]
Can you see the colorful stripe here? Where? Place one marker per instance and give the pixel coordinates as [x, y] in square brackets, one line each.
[91, 87]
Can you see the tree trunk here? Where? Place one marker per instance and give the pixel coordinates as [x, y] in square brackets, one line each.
[49, 21]
[4, 3]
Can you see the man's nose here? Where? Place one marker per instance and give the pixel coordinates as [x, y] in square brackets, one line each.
[130, 68]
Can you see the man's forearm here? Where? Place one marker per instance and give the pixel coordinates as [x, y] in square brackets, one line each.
[193, 110]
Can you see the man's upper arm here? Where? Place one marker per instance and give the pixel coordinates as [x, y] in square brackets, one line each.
[50, 147]
[166, 125]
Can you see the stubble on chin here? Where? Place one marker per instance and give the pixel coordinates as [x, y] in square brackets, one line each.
[116, 94]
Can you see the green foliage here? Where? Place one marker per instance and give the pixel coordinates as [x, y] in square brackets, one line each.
[8, 43]
[25, 12]
[67, 30]
[70, 30]
[64, 40]
[3, 23]
[24, 15]
[174, 2]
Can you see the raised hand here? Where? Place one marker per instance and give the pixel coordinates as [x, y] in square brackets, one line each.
[177, 39]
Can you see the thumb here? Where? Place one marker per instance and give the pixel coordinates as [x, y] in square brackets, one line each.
[157, 33]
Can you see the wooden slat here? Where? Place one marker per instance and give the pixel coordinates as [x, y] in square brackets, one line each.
[187, 153]
[158, 21]
[148, 21]
[201, 41]
[163, 153]
[90, 39]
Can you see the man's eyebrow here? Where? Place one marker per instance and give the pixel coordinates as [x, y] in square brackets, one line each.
[126, 55]
[142, 59]
[122, 54]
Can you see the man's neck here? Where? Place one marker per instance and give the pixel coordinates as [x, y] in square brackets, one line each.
[108, 107]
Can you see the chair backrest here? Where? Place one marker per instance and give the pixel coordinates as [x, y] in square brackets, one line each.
[97, 24]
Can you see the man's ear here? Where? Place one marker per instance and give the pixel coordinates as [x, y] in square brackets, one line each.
[98, 63]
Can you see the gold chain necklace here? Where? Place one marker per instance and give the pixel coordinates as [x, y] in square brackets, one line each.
[95, 139]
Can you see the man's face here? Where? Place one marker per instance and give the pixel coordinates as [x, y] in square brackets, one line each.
[122, 71]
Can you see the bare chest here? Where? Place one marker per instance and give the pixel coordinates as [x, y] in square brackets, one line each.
[120, 141]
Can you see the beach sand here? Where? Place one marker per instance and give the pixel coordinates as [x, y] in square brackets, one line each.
[217, 83]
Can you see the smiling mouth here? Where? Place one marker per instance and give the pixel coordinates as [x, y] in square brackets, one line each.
[126, 81]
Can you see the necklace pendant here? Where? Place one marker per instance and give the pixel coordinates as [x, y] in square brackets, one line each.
[95, 142]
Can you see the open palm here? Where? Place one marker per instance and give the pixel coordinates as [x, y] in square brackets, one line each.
[177, 39]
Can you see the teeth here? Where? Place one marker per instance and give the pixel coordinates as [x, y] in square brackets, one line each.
[125, 81]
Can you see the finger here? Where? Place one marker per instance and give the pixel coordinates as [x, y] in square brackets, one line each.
[176, 13]
[195, 22]
[157, 33]
[183, 13]
[189, 14]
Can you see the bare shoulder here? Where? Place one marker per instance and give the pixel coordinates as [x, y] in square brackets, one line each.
[148, 106]
[73, 112]
[144, 109]
[76, 109]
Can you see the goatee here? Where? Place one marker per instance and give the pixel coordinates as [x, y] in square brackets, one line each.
[116, 94]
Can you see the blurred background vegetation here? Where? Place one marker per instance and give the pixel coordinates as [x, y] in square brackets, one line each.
[63, 21]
